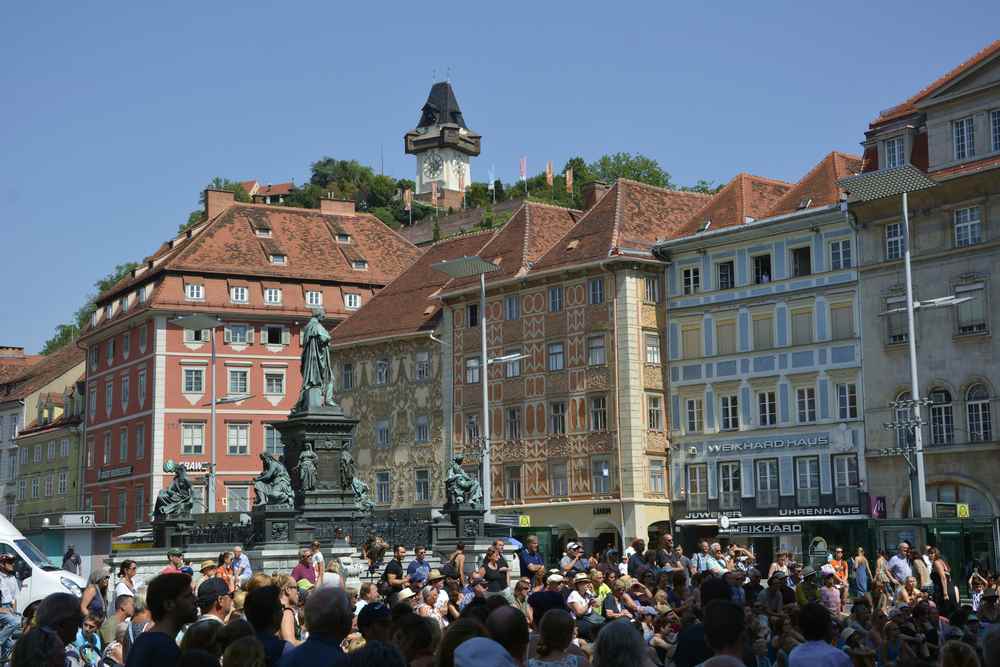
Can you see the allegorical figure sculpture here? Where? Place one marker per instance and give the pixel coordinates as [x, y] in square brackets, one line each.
[347, 470]
[176, 499]
[316, 369]
[362, 496]
[460, 488]
[307, 468]
[272, 486]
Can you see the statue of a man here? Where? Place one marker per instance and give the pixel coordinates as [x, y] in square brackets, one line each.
[177, 499]
[316, 368]
[459, 486]
[347, 469]
[307, 468]
[272, 486]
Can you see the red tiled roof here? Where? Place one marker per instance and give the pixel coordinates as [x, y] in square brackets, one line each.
[819, 186]
[12, 366]
[985, 164]
[275, 189]
[746, 196]
[910, 105]
[36, 376]
[62, 421]
[250, 186]
[407, 305]
[630, 215]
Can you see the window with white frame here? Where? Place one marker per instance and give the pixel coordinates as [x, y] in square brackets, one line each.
[238, 439]
[123, 445]
[558, 479]
[963, 133]
[977, 407]
[695, 415]
[126, 345]
[896, 326]
[767, 482]
[272, 296]
[725, 275]
[847, 400]
[806, 401]
[22, 485]
[109, 396]
[383, 488]
[359, 265]
[263, 232]
[343, 238]
[125, 391]
[238, 498]
[239, 381]
[596, 355]
[513, 423]
[352, 301]
[942, 417]
[845, 479]
[274, 383]
[894, 240]
[652, 289]
[63, 483]
[278, 259]
[995, 125]
[37, 454]
[347, 376]
[106, 458]
[141, 386]
[691, 279]
[140, 503]
[894, 152]
[422, 429]
[272, 441]
[472, 315]
[239, 294]
[807, 481]
[767, 408]
[971, 314]
[381, 371]
[34, 487]
[557, 417]
[595, 291]
[382, 438]
[123, 507]
[600, 474]
[194, 291]
[654, 412]
[196, 335]
[50, 453]
[236, 334]
[194, 380]
[840, 254]
[598, 413]
[64, 448]
[422, 485]
[109, 310]
[314, 298]
[512, 368]
[422, 366]
[111, 352]
[652, 348]
[555, 298]
[556, 357]
[472, 370]
[762, 269]
[657, 476]
[729, 411]
[140, 294]
[94, 360]
[91, 447]
[49, 485]
[512, 307]
[697, 487]
[471, 429]
[192, 438]
[729, 485]
[512, 483]
[274, 335]
[968, 226]
[140, 441]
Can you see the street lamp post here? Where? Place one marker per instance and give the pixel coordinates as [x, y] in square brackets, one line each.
[461, 268]
[198, 322]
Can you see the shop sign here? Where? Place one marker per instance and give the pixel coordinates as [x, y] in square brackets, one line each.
[876, 507]
[524, 521]
[113, 473]
[86, 519]
[762, 528]
[602, 510]
[195, 466]
[735, 514]
[821, 511]
[741, 445]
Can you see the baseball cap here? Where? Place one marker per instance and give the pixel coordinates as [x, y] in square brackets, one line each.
[372, 613]
[572, 546]
[404, 595]
[174, 551]
[211, 590]
[554, 579]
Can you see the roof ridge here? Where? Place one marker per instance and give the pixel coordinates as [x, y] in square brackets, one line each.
[616, 229]
[527, 233]
[661, 188]
[461, 236]
[525, 202]
[767, 179]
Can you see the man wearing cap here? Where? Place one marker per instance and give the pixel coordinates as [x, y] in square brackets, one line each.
[241, 566]
[574, 562]
[10, 620]
[808, 590]
[214, 600]
[475, 589]
[550, 597]
[175, 561]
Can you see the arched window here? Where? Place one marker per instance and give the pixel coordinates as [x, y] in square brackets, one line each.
[903, 414]
[951, 492]
[977, 402]
[942, 417]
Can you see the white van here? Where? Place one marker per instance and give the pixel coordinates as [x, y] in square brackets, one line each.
[38, 576]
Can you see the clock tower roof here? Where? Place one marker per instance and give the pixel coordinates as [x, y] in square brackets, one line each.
[441, 107]
[441, 125]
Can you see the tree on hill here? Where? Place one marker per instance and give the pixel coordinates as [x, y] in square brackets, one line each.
[611, 167]
[66, 333]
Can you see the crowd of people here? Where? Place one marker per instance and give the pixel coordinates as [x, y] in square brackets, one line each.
[648, 607]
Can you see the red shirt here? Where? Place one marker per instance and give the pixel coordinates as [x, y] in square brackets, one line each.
[170, 569]
[302, 571]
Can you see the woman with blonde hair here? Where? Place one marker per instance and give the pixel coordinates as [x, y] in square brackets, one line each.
[290, 630]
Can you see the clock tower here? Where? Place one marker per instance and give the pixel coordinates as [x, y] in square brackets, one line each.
[443, 146]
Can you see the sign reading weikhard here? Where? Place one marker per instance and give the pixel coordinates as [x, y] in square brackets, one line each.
[740, 445]
[762, 528]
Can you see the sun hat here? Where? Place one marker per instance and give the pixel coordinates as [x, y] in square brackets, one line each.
[555, 579]
[435, 575]
[405, 595]
[583, 577]
[208, 565]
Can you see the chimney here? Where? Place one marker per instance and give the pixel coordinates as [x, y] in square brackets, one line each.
[11, 352]
[217, 201]
[592, 192]
[336, 206]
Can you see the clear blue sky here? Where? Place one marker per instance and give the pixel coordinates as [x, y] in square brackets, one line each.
[115, 114]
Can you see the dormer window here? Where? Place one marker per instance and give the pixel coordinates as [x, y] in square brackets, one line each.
[263, 232]
[272, 296]
[140, 295]
[352, 301]
[194, 291]
[343, 238]
[238, 294]
[314, 298]
[109, 310]
[964, 136]
[359, 265]
[279, 259]
[123, 304]
[894, 152]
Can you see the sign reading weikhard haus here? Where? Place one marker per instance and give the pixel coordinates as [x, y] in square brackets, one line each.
[738, 446]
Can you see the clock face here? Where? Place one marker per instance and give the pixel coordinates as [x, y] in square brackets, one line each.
[432, 165]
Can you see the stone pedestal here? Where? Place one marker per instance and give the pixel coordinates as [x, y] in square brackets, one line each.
[171, 531]
[274, 524]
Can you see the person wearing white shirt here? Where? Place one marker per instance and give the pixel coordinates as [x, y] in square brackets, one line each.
[242, 569]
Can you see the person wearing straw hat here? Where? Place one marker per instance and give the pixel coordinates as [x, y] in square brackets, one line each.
[582, 603]
[808, 590]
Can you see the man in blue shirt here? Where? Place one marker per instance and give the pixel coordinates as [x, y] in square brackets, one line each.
[816, 626]
[329, 616]
[418, 564]
[532, 562]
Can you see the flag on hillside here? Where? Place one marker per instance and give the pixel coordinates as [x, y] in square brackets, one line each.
[569, 180]
[548, 173]
[407, 199]
[492, 180]
[524, 168]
